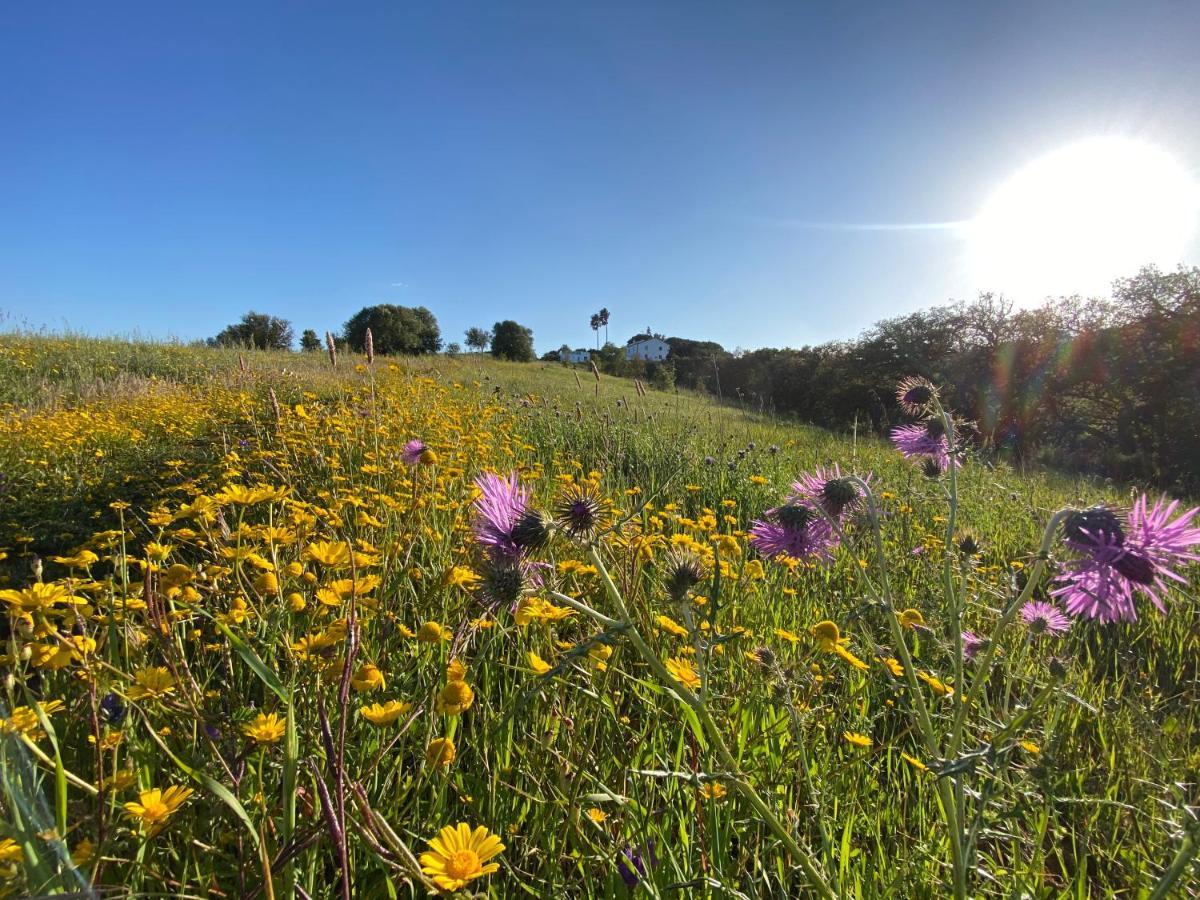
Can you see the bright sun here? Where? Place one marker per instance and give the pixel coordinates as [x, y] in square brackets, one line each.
[1075, 219]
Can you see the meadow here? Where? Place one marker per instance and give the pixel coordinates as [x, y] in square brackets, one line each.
[273, 624]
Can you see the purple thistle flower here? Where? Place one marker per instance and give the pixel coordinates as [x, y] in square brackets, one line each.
[927, 441]
[1121, 556]
[413, 451]
[498, 510]
[971, 645]
[795, 529]
[632, 864]
[1041, 617]
[830, 490]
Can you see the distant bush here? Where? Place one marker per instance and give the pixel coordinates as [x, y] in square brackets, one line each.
[394, 330]
[511, 340]
[256, 331]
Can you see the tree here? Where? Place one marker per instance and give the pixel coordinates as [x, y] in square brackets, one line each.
[453, 349]
[596, 328]
[478, 338]
[309, 341]
[394, 329]
[603, 316]
[564, 353]
[257, 331]
[511, 340]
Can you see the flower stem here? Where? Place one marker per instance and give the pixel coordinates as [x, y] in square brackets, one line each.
[817, 880]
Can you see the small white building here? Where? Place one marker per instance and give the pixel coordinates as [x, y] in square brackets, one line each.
[579, 356]
[650, 348]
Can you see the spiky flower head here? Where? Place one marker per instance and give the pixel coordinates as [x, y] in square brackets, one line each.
[1124, 555]
[796, 530]
[764, 656]
[682, 571]
[532, 530]
[502, 581]
[829, 489]
[498, 508]
[412, 452]
[915, 394]
[932, 468]
[1084, 528]
[971, 645]
[580, 511]
[967, 542]
[1041, 617]
[919, 442]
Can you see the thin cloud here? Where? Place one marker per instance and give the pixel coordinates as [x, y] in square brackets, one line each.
[959, 225]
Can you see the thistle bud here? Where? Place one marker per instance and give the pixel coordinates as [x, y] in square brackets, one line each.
[1092, 526]
[915, 394]
[532, 530]
[683, 571]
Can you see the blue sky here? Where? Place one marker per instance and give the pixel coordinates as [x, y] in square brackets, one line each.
[165, 166]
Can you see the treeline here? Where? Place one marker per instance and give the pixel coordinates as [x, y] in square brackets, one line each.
[394, 330]
[1110, 387]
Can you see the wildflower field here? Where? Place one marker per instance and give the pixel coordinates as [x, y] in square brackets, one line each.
[275, 627]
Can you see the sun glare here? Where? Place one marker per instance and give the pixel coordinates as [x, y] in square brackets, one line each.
[1077, 218]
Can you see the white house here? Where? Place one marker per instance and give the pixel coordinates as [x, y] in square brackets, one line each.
[649, 348]
[579, 356]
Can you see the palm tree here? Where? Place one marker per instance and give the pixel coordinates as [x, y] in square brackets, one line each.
[596, 328]
[603, 314]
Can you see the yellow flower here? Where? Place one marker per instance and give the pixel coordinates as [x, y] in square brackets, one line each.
[459, 576]
[827, 634]
[83, 853]
[458, 856]
[24, 720]
[683, 672]
[432, 632]
[893, 666]
[39, 597]
[266, 583]
[455, 698]
[381, 714]
[329, 553]
[597, 815]
[368, 678]
[440, 753]
[151, 682]
[669, 624]
[713, 790]
[154, 808]
[910, 618]
[858, 740]
[10, 851]
[80, 560]
[456, 670]
[265, 728]
[787, 635]
[914, 762]
[849, 657]
[939, 687]
[1030, 747]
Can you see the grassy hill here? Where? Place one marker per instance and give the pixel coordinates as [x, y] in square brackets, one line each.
[248, 592]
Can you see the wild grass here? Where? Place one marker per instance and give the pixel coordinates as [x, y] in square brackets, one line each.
[1072, 780]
